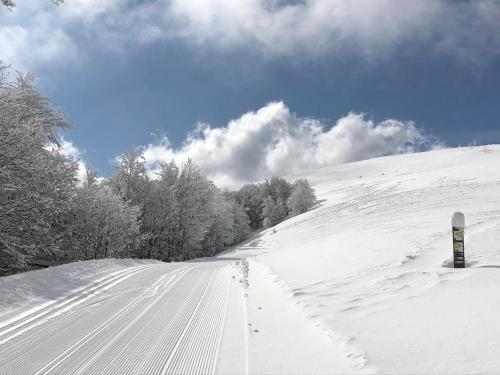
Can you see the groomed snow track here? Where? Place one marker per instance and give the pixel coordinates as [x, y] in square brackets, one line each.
[149, 319]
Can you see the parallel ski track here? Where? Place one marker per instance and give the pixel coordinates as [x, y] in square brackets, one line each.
[147, 352]
[174, 326]
[186, 329]
[202, 334]
[37, 335]
[18, 357]
[161, 345]
[14, 327]
[66, 362]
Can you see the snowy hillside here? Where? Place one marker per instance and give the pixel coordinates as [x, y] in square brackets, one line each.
[371, 264]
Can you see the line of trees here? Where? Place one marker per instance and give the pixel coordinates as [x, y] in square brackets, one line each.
[274, 200]
[46, 212]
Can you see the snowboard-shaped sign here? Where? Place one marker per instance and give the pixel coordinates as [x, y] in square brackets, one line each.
[458, 227]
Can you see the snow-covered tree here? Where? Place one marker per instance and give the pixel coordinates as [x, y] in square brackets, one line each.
[36, 180]
[159, 220]
[132, 184]
[193, 195]
[169, 173]
[269, 212]
[221, 232]
[302, 198]
[251, 199]
[273, 212]
[130, 180]
[90, 179]
[279, 188]
[101, 225]
[242, 227]
[177, 213]
[185, 215]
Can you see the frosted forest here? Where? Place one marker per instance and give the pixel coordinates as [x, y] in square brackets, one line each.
[48, 216]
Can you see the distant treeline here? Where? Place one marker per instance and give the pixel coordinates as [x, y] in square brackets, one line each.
[47, 213]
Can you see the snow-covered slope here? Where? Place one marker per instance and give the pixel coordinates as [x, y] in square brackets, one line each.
[360, 284]
[371, 264]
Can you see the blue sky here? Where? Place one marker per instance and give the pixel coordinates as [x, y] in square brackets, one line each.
[142, 72]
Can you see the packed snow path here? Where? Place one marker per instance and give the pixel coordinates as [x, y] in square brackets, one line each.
[148, 319]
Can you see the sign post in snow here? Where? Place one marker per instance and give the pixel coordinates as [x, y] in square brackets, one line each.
[458, 227]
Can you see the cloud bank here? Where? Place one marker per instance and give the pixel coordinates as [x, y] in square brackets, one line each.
[275, 141]
[38, 32]
[371, 28]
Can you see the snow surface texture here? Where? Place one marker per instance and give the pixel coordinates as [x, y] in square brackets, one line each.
[149, 318]
[372, 263]
[361, 284]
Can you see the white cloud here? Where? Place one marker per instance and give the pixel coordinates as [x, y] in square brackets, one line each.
[24, 48]
[274, 141]
[372, 28]
[38, 32]
[34, 34]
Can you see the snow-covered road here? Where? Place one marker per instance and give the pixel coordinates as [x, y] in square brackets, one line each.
[153, 318]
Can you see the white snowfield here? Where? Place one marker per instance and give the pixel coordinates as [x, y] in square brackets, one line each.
[363, 283]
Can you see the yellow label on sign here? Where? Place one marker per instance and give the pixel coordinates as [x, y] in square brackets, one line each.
[458, 235]
[458, 246]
